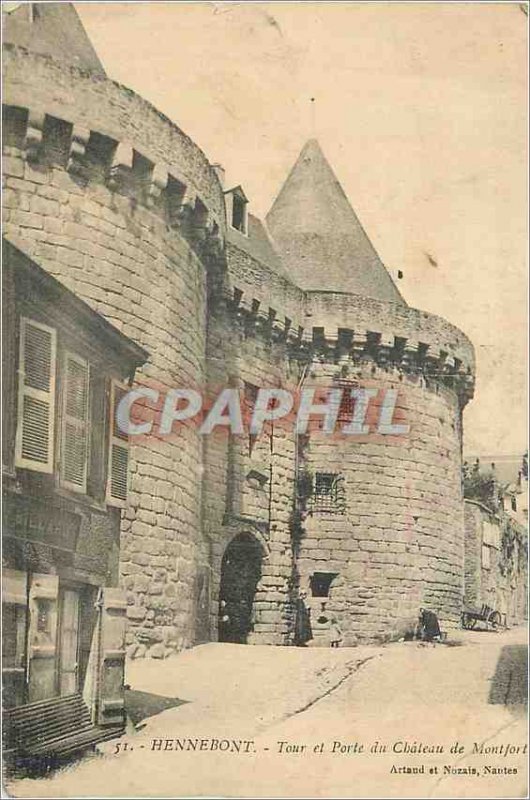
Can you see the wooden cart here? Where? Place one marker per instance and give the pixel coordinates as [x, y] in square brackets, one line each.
[471, 616]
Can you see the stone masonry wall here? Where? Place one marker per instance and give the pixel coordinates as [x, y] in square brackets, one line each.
[472, 561]
[332, 310]
[257, 281]
[400, 544]
[249, 488]
[502, 580]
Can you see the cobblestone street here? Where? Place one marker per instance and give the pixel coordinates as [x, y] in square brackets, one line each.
[324, 705]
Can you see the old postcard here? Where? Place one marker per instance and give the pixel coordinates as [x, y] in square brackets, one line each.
[265, 467]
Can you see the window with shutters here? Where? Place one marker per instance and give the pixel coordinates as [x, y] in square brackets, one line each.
[65, 431]
[75, 423]
[36, 396]
[118, 452]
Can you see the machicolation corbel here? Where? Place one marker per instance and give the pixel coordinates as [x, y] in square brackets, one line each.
[157, 183]
[122, 163]
[78, 146]
[182, 216]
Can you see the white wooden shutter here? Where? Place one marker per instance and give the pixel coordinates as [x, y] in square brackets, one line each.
[74, 423]
[113, 620]
[118, 471]
[36, 396]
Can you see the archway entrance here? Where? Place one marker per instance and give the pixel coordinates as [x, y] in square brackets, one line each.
[240, 573]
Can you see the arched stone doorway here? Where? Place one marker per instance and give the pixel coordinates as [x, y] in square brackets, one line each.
[240, 573]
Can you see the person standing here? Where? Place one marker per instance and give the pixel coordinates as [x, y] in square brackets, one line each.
[335, 634]
[302, 629]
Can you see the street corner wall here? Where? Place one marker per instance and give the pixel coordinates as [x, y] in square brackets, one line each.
[496, 563]
[115, 201]
[473, 518]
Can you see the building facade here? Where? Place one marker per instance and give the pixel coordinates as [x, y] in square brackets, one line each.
[220, 533]
[63, 614]
[496, 562]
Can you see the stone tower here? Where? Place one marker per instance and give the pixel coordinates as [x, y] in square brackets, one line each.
[115, 201]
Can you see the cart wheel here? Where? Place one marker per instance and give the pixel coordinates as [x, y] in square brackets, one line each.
[495, 619]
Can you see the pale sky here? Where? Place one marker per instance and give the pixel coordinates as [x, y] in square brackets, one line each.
[421, 110]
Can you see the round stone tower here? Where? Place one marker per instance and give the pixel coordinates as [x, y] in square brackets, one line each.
[380, 529]
[114, 200]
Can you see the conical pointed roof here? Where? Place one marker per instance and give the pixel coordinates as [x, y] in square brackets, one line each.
[52, 29]
[319, 237]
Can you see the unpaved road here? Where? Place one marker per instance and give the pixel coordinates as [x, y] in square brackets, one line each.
[329, 708]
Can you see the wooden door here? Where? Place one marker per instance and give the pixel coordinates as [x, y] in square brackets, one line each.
[42, 637]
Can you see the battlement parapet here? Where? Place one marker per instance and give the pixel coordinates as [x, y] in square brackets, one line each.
[421, 345]
[391, 320]
[97, 130]
[257, 278]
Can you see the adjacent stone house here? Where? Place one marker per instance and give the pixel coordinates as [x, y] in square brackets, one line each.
[64, 489]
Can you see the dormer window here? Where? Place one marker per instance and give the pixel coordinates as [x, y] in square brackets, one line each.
[236, 209]
[239, 209]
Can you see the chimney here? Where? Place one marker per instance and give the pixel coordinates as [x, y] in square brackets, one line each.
[220, 172]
